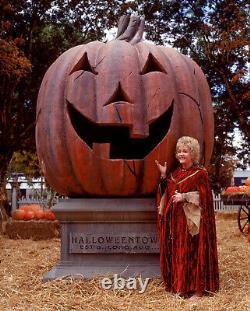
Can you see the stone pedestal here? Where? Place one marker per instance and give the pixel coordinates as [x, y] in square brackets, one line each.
[107, 237]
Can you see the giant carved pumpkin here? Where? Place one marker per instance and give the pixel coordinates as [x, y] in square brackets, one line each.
[106, 111]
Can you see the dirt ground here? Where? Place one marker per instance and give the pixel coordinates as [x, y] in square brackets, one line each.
[24, 262]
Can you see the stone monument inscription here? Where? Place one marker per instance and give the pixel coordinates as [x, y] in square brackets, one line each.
[142, 242]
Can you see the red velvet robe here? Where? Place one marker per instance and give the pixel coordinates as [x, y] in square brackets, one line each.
[188, 263]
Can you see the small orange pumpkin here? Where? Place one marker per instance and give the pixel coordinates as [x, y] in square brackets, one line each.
[247, 182]
[18, 214]
[231, 190]
[29, 215]
[49, 215]
[39, 214]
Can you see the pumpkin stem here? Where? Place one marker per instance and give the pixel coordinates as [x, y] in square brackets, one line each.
[130, 28]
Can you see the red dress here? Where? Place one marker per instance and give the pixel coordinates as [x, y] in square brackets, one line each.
[188, 263]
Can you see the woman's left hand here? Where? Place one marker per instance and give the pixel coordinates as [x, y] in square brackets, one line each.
[177, 197]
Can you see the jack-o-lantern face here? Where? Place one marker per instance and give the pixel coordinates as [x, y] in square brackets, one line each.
[107, 111]
[132, 107]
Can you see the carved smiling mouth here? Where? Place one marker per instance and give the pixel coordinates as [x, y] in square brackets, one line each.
[118, 136]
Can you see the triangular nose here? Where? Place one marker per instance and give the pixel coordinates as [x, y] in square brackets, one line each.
[119, 95]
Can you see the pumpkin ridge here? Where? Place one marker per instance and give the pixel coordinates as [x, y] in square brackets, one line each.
[196, 103]
[63, 112]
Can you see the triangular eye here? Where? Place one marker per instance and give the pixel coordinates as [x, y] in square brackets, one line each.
[152, 65]
[83, 64]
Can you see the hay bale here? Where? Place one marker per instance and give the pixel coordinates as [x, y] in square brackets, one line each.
[32, 229]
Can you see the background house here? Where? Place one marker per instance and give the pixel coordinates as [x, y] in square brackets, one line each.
[239, 177]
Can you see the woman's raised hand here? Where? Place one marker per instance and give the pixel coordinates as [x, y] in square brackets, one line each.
[162, 168]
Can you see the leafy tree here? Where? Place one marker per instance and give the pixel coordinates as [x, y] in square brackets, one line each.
[25, 162]
[14, 67]
[32, 35]
[215, 34]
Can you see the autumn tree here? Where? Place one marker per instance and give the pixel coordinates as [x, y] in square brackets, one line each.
[32, 35]
[215, 34]
[14, 67]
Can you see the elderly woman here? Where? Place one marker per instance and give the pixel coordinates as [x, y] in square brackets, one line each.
[186, 223]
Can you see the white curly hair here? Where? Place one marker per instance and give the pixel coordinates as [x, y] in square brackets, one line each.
[192, 144]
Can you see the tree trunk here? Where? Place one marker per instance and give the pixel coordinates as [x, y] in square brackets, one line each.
[4, 205]
[218, 168]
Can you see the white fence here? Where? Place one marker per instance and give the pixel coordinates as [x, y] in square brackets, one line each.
[35, 200]
[220, 206]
